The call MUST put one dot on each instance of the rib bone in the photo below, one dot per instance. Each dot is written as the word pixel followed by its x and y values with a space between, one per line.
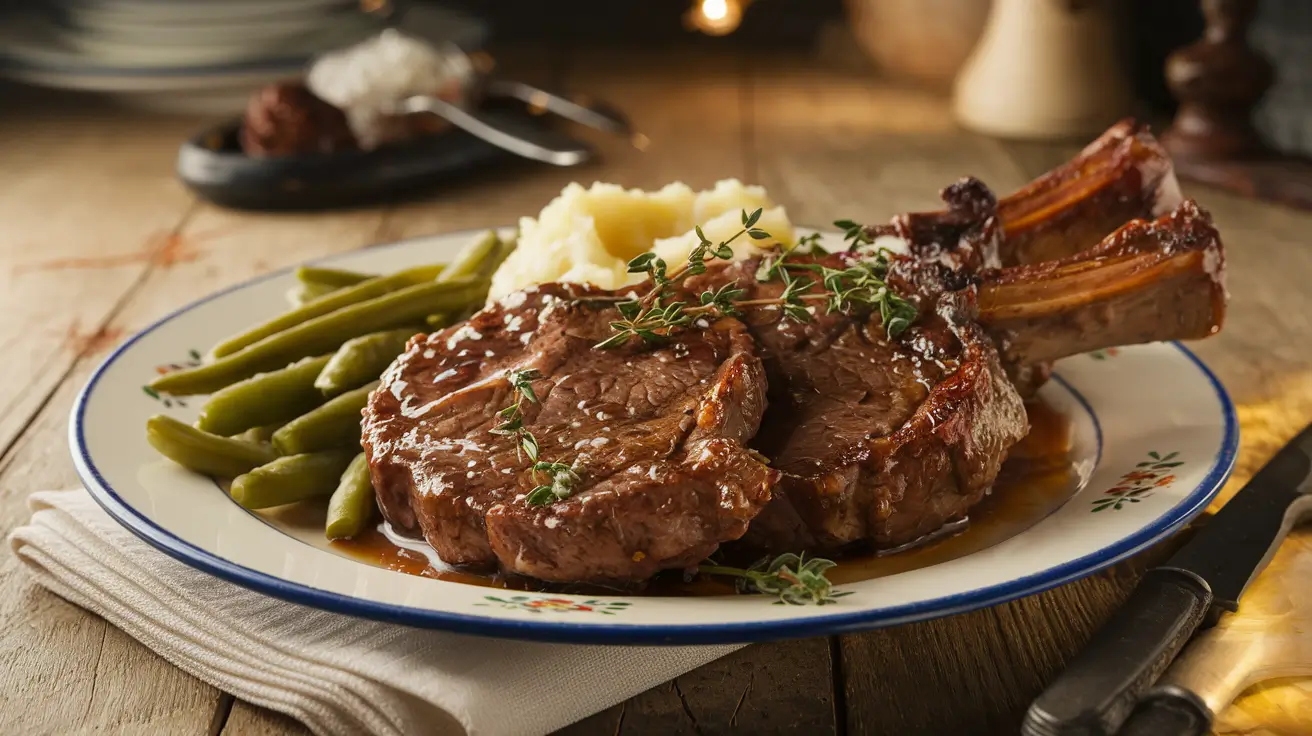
pixel 1149 281
pixel 1123 175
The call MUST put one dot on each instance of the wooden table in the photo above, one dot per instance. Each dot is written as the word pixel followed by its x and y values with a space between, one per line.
pixel 97 239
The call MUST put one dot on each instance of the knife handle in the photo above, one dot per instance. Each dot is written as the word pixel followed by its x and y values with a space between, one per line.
pixel 1169 711
pixel 1101 685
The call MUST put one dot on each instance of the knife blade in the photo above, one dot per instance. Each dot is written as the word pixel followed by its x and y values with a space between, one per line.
pixel 1102 684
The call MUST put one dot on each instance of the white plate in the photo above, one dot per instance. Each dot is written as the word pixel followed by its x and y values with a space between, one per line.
pixel 1154 435
pixel 154 47
pixel 107 13
pixel 213 76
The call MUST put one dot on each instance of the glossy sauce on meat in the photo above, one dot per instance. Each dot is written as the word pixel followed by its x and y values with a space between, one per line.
pixel 1038 477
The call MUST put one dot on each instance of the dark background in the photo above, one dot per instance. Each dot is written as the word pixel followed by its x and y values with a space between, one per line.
pixel 1153 28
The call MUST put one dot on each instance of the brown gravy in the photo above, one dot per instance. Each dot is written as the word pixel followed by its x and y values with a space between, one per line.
pixel 1037 478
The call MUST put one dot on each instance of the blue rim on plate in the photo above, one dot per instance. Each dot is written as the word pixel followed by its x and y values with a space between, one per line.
pixel 558 631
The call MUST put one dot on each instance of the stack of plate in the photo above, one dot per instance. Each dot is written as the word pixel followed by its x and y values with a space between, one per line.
pixel 198 56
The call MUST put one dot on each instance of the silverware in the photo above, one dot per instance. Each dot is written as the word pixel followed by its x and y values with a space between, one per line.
pixel 513 135
pixel 1101 686
pixel 592 113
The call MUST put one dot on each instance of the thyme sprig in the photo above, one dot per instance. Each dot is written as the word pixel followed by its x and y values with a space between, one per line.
pixel 649 317
pixel 793 578
pixel 859 286
pixel 512 417
pixel 560 478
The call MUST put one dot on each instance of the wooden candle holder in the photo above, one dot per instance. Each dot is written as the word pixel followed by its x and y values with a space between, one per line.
pixel 1218 81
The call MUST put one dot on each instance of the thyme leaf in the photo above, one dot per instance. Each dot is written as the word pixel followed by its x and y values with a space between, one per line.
pixel 859 286
pixel 792 578
pixel 648 317
pixel 854 233
pixel 560 478
pixel 559 484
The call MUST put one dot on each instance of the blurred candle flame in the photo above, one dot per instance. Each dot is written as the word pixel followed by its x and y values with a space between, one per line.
pixel 715 17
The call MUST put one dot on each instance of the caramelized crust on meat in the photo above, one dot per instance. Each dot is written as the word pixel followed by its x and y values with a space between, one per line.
pixel 657 435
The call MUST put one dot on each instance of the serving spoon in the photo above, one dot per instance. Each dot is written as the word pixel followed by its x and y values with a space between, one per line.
pixel 538 144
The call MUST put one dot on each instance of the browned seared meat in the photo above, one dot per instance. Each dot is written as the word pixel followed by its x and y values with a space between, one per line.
pixel 964 238
pixel 878 440
pixel 882 441
pixel 657 436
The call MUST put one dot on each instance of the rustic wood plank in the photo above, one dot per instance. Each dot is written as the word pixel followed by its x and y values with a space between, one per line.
pixel 77 238
pixel 55 653
pixel 831 145
pixel 75 229
pixel 1036 158
pixel 765 688
pixel 61 669
pixel 247 719
pixel 988 664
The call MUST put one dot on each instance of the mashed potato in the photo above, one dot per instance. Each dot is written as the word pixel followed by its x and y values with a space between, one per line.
pixel 590 235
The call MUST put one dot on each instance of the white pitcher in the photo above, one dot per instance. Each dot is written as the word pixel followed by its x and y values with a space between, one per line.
pixel 1044 69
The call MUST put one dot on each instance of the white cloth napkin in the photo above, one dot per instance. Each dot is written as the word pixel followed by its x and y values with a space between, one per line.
pixel 335 673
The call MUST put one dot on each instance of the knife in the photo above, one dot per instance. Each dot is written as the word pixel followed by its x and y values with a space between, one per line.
pixel 1102 684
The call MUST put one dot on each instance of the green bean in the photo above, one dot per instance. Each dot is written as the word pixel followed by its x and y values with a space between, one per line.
pixel 259 435
pixel 334 277
pixel 303 294
pixel 352 505
pixel 351 295
pixel 292 478
pixel 267 398
pixel 470 260
pixel 322 334
pixel 362 359
pixel 335 424
pixel 503 251
pixel 204 452
pixel 493 261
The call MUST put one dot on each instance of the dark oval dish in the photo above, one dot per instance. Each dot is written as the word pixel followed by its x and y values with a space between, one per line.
pixel 213 166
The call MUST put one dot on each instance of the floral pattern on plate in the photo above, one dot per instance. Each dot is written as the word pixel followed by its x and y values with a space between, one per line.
pixel 538 604
pixel 1140 483
pixel 193 360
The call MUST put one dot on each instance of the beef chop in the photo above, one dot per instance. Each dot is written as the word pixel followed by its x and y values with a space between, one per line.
pixel 1122 176
pixel 884 441
pixel 878 439
pixel 872 440
pixel 657 435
